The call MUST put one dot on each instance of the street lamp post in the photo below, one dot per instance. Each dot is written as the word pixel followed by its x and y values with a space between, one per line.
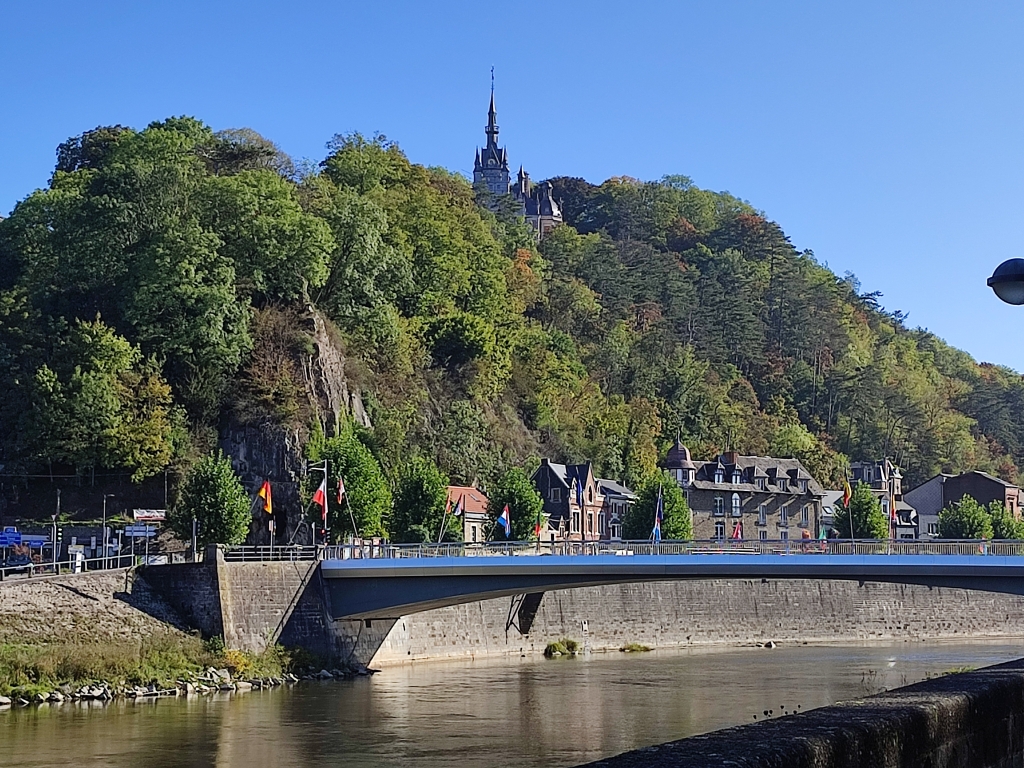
pixel 105 497
pixel 1008 281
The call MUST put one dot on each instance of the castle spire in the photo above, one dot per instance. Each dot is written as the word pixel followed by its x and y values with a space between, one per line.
pixel 492 119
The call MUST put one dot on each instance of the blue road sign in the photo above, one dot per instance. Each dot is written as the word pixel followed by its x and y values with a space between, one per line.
pixel 10 538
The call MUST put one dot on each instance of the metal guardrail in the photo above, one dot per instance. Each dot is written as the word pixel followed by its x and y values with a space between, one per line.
pixel 240 554
pixel 64 567
pixel 737 547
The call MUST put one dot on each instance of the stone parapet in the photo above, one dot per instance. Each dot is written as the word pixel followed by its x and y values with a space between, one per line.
pixel 974 719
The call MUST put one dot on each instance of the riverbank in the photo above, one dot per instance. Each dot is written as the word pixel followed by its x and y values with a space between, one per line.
pixel 107 635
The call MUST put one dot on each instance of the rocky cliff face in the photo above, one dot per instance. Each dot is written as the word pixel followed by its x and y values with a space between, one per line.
pixel 266 449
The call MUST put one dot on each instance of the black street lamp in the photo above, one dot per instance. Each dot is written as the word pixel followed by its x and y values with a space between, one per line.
pixel 1008 281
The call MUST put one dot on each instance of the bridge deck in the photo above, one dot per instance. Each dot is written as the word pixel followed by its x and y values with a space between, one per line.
pixel 390 587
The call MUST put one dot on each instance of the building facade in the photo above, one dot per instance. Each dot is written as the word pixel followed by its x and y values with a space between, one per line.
pixel 937 493
pixel 492 179
pixel 476 525
pixel 886 483
pixel 748 497
pixel 572 501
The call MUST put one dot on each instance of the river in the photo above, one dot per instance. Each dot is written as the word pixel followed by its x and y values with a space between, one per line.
pixel 503 712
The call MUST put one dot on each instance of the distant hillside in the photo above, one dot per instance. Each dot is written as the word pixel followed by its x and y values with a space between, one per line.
pixel 156 288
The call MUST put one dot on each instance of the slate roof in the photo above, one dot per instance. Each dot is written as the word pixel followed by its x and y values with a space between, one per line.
pixel 752 467
pixel 612 488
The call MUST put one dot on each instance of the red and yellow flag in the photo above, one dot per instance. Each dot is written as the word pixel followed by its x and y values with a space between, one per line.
pixel 847 493
pixel 264 493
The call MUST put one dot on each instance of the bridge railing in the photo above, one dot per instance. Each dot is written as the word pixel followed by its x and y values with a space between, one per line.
pixel 805 547
pixel 243 554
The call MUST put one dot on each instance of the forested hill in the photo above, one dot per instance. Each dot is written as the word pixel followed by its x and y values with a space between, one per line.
pixel 158 287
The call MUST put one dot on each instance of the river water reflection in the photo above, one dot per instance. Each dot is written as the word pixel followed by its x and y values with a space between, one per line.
pixel 521 712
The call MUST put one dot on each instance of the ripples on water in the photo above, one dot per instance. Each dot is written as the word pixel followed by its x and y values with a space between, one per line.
pixel 503 712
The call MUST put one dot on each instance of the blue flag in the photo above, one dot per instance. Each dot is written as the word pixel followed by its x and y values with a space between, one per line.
pixel 659 515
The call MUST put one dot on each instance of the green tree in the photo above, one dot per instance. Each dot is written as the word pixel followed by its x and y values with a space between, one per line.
pixel 367 495
pixel 965 519
pixel 525 507
pixel 101 404
pixel 419 505
pixel 1004 524
pixel 213 496
pixel 866 512
pixel 677 521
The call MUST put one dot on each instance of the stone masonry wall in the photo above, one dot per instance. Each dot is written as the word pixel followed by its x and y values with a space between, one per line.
pixel 970 720
pixel 719 612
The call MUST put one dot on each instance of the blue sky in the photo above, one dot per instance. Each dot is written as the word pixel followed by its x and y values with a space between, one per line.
pixel 884 136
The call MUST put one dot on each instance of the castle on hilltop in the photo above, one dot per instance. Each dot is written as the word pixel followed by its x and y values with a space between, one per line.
pixel 491 179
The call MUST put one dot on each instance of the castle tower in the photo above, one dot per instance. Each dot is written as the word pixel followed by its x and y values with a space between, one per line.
pixel 490 168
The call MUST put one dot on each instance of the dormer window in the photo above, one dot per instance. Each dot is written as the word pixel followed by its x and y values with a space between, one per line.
pixel 719 476
pixel 760 483
pixel 783 484
pixel 737 478
pixel 803 485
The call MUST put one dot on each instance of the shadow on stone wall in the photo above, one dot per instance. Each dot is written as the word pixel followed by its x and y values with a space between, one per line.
pixel 255 605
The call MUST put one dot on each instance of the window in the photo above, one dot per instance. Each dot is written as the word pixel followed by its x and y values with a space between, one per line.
pixel 735 505
pixel 933 529
pixel 556 494
pixel 590 495
pixel 805 515
pixel 719 530
pixel 590 522
pixel 719 476
pixel 803 486
pixel 762 535
pixel 473 532
pixel 719 506
pixel 867 474
pixel 785 516
pixel 760 483
pixel 575 522
pixel 784 534
pixel 783 484
pixel 737 478
pixel 762 514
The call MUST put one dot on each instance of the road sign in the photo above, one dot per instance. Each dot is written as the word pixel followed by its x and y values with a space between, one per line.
pixel 140 531
pixel 10 538
pixel 150 515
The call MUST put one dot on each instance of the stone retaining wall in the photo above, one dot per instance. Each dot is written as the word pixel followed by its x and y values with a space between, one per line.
pixel 252 604
pixel 716 612
pixel 974 719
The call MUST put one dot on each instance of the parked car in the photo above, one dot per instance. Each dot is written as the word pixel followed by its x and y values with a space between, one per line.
pixel 17 563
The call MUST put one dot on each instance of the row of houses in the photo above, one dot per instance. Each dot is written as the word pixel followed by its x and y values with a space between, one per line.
pixel 752 497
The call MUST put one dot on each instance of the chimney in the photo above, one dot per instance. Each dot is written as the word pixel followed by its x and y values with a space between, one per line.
pixel 730 457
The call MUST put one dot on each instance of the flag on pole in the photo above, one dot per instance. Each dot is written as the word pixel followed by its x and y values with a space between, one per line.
pixel 505 519
pixel 460 506
pixel 264 493
pixel 659 515
pixel 737 531
pixel 847 493
pixel 320 497
pixel 341 489
pixel 579 495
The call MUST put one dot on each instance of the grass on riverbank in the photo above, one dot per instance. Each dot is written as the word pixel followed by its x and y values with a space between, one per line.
pixel 160 659
pixel 635 648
